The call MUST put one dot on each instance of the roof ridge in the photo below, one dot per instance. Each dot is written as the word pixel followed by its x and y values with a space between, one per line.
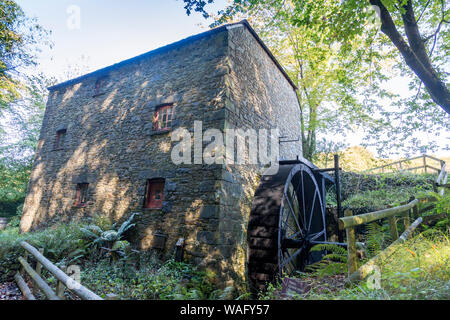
pixel 105 70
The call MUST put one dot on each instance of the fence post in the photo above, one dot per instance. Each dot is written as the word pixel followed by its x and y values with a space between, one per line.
pixel 25 257
pixel 60 286
pixel 338 191
pixel 393 227
pixel 415 211
pixel 406 219
pixel 351 246
pixel 425 162
pixel 38 264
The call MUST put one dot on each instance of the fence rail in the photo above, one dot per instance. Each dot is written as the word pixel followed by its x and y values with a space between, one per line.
pixel 404 211
pixel 63 279
pixel 399 165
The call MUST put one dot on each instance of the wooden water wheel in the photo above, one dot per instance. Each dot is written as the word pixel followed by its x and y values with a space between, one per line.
pixel 286 220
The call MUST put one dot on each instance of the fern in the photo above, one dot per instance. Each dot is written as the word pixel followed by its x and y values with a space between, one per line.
pixel 333 262
pixel 376 238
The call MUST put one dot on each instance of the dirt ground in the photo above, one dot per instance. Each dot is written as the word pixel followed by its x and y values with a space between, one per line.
pixel 9 291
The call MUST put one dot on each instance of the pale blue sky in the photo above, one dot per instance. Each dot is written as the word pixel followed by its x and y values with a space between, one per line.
pixel 114 30
pixel 110 30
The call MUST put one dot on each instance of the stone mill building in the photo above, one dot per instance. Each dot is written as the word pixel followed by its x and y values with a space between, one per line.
pixel 105 145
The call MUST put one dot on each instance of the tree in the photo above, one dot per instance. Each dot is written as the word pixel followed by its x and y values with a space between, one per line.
pixel 20 41
pixel 22 120
pixel 342 20
pixel 334 81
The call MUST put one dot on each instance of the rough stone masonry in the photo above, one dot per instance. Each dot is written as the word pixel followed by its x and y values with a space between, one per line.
pixel 226 78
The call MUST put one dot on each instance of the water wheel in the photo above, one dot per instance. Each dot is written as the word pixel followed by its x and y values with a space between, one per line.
pixel 286 220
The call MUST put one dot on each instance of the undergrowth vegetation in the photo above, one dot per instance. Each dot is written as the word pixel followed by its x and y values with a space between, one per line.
pixel 418 269
pixel 108 263
pixel 366 192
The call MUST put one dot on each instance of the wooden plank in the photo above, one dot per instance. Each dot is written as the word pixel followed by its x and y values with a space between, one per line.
pixel 75 287
pixel 433 158
pixel 368 267
pixel 357 220
pixel 434 168
pixel 38 280
pixel 414 168
pixel 23 287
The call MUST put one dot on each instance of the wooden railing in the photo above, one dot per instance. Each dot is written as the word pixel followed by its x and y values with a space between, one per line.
pixel 405 212
pixel 441 181
pixel 400 165
pixel 63 279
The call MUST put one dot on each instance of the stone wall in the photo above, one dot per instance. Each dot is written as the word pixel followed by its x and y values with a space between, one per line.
pixel 223 78
pixel 258 95
pixel 110 143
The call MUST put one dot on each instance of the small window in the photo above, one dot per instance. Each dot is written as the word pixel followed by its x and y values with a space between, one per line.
pixel 154 194
pixel 162 120
pixel 100 85
pixel 60 139
pixel 82 189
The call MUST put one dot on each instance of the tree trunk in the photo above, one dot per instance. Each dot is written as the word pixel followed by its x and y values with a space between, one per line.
pixel 414 54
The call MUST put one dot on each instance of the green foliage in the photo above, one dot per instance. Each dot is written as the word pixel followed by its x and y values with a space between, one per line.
pixel 334 81
pixel 23 120
pixel 332 263
pixel 370 192
pixel 272 292
pixel 62 244
pixel 356 30
pixel 152 280
pixel 377 238
pixel 109 240
pixel 135 276
pixel 20 39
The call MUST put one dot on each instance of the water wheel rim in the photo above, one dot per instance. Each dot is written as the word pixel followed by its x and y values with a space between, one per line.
pixel 304 225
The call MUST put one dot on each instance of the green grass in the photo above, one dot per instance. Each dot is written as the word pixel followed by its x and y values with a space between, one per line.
pixel 418 270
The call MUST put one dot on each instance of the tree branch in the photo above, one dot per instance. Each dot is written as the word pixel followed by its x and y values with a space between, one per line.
pixel 423 69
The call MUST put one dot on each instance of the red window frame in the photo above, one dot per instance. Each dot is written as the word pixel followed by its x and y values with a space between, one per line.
pixel 81 198
pixel 60 138
pixel 154 196
pixel 163 117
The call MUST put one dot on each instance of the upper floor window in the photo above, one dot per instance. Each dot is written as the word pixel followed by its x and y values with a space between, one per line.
pixel 163 117
pixel 154 193
pixel 100 85
pixel 81 199
pixel 60 139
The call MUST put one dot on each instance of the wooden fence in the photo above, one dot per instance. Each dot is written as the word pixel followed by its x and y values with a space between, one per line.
pixel 64 281
pixel 404 212
pixel 402 165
